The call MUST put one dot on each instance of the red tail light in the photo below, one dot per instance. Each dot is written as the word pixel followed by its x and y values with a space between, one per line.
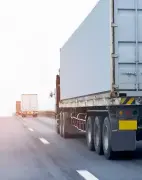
pixel 128 113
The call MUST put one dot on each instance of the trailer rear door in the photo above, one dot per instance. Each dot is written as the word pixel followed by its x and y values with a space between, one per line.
pixel 128 45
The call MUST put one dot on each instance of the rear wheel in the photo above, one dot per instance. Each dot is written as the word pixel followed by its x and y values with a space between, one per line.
pixel 57 124
pixel 57 129
pixel 68 130
pixel 90 133
pixel 61 124
pixel 98 126
pixel 66 125
pixel 109 154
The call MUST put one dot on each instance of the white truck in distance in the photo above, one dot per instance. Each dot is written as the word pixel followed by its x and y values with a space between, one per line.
pixel 29 105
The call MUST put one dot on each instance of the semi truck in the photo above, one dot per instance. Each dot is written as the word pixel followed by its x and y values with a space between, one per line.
pixel 99 86
pixel 18 108
pixel 29 105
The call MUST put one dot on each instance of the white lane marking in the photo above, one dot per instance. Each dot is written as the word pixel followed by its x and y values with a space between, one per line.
pixel 30 129
pixel 44 141
pixel 87 175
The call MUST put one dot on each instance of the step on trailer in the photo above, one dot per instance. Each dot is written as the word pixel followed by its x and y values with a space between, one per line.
pixel 99 87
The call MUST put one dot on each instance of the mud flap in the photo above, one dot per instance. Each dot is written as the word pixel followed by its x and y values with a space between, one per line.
pixel 123 140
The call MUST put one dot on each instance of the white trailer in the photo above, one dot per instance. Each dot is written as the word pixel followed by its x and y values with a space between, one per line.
pixel 99 89
pixel 29 105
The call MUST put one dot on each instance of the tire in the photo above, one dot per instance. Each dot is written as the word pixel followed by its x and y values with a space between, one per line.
pixel 98 129
pixel 90 133
pixel 64 126
pixel 57 119
pixel 58 127
pixel 61 124
pixel 109 154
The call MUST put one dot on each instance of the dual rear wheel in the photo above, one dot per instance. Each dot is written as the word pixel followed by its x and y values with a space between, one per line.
pixel 65 128
pixel 98 135
pixel 62 125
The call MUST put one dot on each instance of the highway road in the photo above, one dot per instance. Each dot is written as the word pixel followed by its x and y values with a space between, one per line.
pixel 30 149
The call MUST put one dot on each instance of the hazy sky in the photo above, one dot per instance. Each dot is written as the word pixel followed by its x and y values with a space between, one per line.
pixel 31 33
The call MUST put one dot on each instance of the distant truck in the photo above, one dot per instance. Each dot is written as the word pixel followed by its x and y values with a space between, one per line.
pixel 99 87
pixel 29 105
pixel 18 108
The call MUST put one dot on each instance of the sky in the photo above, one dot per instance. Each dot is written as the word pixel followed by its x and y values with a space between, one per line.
pixel 31 35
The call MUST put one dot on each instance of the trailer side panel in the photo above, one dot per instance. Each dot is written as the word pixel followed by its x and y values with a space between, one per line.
pixel 85 58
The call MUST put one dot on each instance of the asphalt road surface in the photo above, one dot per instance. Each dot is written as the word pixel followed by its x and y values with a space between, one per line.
pixel 30 149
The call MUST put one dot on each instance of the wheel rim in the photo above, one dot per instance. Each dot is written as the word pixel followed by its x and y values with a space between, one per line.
pixel 106 139
pixel 97 139
pixel 63 127
pixel 60 128
pixel 89 136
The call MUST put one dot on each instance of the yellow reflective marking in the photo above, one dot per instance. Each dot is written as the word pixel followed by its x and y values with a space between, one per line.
pixel 130 101
pixel 122 100
pixel 127 124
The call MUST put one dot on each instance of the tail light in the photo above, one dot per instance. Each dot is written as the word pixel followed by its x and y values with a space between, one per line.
pixel 128 113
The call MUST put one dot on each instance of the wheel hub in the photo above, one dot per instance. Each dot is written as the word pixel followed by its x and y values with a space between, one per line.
pixel 106 140
pixel 97 139
pixel 89 136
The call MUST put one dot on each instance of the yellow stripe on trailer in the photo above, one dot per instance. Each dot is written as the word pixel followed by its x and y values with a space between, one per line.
pixel 130 101
pixel 127 124
pixel 122 100
pixel 127 101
